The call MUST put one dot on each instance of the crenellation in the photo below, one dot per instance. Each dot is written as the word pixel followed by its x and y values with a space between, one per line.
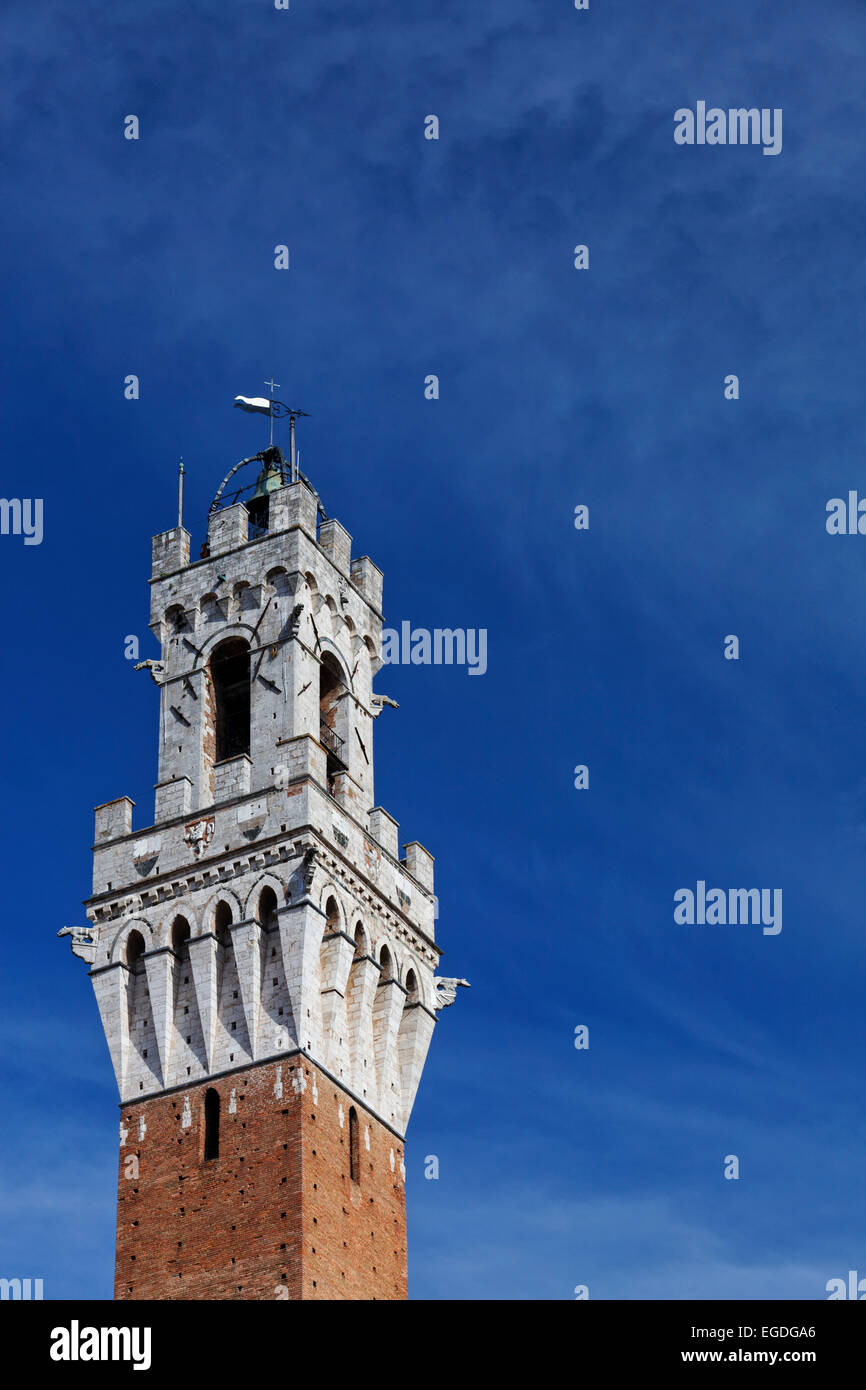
pixel 232 778
pixel 170 551
pixel 113 819
pixel 385 829
pixel 368 579
pixel 419 863
pixel 173 798
pixel 294 505
pixel 228 528
pixel 337 545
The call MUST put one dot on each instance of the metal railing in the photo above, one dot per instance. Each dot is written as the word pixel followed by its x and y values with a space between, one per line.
pixel 330 740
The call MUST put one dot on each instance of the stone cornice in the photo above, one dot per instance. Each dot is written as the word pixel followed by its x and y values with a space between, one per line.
pixel 275 1057
pixel 277 849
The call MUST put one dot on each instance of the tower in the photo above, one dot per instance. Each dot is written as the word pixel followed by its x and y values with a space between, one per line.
pixel 263 959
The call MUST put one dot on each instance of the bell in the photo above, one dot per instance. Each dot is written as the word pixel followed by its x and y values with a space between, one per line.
pixel 268 480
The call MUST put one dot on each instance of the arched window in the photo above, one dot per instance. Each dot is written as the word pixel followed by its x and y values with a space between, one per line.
pixel 327 958
pixel 354 1149
pixel 332 688
pixel 242 595
pixel 180 934
pixel 211 1124
pixel 382 1004
pixel 222 917
pixel 221 922
pixel 134 954
pixel 268 907
pixel 407 1040
pixel 176 620
pixel 230 677
pixel 354 1011
pixel 278 581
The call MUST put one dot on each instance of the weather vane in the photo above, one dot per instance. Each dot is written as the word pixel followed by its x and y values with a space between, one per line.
pixel 275 410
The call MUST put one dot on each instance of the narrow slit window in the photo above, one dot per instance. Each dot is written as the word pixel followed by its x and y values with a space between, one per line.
pixel 211 1124
pixel 354 1153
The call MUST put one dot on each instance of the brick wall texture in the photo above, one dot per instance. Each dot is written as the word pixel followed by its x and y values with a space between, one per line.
pixel 277 1215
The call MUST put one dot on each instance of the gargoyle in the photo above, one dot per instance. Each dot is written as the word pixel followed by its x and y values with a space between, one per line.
pixel 379 702
pixel 153 667
pixel 83 944
pixel 445 991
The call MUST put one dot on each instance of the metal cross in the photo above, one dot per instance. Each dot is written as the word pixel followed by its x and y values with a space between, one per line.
pixel 273 385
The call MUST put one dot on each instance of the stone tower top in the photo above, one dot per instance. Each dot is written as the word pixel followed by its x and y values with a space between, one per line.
pixel 268 872
pixel 275 578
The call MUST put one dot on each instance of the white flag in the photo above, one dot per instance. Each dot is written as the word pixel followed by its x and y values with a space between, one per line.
pixel 256 405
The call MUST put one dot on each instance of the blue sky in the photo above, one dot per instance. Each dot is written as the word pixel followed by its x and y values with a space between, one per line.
pixel 558 387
